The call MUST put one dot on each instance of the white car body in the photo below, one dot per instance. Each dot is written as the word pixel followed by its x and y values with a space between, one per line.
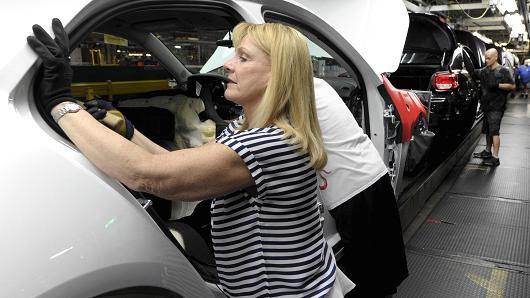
pixel 68 230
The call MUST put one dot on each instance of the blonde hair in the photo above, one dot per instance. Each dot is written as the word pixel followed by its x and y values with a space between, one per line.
pixel 289 99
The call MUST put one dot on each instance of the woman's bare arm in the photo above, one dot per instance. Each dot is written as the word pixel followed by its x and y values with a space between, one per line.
pixel 190 174
pixel 139 139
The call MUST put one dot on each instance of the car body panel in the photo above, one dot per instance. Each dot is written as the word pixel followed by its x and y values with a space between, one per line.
pixel 71 230
pixel 409 108
pixel 16 26
pixel 66 214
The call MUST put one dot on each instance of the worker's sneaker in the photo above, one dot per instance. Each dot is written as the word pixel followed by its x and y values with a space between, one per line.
pixel 482 154
pixel 492 162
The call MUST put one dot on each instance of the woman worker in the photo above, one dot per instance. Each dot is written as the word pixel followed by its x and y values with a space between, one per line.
pixel 267 237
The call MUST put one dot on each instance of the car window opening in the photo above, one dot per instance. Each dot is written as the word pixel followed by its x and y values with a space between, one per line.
pixel 329 66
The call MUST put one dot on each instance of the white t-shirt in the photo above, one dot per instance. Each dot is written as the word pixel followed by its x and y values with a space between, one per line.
pixel 353 162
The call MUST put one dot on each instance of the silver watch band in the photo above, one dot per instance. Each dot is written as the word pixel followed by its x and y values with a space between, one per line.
pixel 67 107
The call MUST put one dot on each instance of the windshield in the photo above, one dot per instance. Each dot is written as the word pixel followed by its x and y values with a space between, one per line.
pixel 192 49
pixel 420 57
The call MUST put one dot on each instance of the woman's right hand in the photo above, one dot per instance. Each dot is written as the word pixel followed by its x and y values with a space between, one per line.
pixel 105 113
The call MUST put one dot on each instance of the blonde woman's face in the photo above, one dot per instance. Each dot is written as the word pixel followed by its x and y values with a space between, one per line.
pixel 249 72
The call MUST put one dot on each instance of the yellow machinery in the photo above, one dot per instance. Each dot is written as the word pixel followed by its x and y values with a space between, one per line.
pixel 109 88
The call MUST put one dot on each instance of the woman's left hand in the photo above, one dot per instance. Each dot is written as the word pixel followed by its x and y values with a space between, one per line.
pixel 57 79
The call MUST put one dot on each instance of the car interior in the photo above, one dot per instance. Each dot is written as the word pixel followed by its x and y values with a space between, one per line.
pixel 150 64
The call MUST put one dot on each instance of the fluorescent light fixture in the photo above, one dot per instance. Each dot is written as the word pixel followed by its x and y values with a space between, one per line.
pixel 177 47
pixel 513 19
pixel 515 22
pixel 505 6
pixel 482 37
pixel 510 5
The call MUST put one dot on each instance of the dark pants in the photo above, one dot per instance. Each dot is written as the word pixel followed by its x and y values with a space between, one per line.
pixel 492 122
pixel 370 228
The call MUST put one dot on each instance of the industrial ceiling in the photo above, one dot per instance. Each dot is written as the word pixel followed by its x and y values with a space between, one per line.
pixel 504 22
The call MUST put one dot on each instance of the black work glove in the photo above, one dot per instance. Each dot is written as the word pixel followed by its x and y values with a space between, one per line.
pixel 55 86
pixel 105 113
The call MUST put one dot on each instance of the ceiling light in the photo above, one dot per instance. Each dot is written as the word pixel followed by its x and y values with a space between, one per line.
pixel 504 6
pixel 482 37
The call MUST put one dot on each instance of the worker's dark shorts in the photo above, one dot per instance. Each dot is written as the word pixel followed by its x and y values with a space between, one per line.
pixel 492 122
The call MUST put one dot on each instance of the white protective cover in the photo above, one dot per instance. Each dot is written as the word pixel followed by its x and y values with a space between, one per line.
pixel 377 29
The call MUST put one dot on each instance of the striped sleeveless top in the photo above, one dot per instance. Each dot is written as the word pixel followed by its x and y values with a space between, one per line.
pixel 269 242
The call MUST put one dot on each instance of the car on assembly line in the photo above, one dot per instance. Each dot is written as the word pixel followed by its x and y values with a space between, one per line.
pixel 434 61
pixel 68 230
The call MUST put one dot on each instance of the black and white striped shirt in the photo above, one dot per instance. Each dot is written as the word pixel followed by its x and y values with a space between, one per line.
pixel 270 243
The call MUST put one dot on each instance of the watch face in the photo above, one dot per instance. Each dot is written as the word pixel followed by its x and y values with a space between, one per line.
pixel 72 107
pixel 68 107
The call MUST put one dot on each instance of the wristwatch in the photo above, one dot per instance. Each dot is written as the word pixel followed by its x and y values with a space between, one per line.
pixel 68 107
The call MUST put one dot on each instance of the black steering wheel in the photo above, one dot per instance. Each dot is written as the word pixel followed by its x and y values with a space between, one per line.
pixel 210 88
